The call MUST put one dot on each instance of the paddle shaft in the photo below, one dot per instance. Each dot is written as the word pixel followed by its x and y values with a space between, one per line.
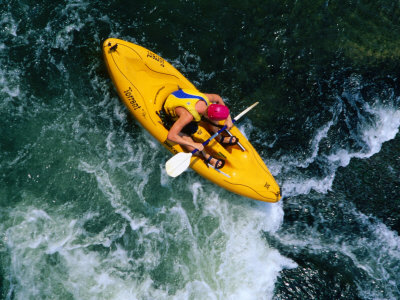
pixel 205 143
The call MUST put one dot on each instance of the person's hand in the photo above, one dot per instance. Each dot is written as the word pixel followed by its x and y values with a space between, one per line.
pixel 215 98
pixel 229 123
pixel 198 146
pixel 218 99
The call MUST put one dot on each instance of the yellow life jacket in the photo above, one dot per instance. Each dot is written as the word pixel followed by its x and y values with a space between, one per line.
pixel 186 99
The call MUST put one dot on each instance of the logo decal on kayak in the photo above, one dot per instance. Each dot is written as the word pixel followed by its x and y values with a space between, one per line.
pixel 156 57
pixel 132 101
pixel 267 185
pixel 168 144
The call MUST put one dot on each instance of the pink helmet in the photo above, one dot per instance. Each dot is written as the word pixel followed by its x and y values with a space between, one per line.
pixel 217 112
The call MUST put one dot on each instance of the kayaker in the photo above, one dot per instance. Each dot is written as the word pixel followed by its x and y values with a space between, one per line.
pixel 186 108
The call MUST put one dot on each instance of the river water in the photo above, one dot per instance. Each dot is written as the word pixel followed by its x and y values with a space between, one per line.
pixel 87 210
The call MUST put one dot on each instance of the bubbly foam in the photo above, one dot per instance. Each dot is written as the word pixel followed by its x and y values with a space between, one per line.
pixel 232 261
pixel 60 245
pixel 374 251
pixel 384 128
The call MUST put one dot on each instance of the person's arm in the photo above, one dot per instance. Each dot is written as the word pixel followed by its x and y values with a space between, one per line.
pixel 214 98
pixel 174 133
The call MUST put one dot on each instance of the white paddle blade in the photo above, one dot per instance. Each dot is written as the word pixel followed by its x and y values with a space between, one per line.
pixel 178 163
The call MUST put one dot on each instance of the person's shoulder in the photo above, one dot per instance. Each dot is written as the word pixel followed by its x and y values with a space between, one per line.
pixel 189 90
pixel 192 92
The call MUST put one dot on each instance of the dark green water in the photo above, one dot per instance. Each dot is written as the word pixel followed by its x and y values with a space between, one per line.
pixel 87 210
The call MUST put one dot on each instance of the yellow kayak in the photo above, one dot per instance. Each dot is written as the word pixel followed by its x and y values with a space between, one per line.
pixel 144 80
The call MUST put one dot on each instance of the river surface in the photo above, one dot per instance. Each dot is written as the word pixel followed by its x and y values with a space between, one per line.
pixel 87 210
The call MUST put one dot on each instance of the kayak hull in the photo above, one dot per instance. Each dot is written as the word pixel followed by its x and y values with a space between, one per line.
pixel 144 80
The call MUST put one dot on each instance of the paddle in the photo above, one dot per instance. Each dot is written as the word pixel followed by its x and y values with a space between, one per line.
pixel 178 163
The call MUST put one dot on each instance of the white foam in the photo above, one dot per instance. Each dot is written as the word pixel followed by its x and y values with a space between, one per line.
pixel 384 129
pixel 9 86
pixel 234 262
pixel 113 194
pixel 63 37
pixel 8 25
pixel 36 237
pixel 374 251
pixel 303 186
